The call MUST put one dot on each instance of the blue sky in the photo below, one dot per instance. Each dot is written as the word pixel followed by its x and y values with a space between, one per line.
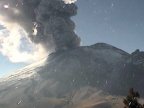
pixel 6 66
pixel 116 22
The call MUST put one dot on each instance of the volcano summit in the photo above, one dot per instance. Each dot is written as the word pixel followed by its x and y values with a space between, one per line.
pixel 70 78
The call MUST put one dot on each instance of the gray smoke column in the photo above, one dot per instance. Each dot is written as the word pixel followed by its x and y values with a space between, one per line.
pixel 47 22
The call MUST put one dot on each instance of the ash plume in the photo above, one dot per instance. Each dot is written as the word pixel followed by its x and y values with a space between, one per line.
pixel 47 22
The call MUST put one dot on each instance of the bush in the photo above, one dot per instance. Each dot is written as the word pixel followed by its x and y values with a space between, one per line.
pixel 131 101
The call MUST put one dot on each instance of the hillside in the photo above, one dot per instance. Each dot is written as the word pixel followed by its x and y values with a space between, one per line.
pixel 96 76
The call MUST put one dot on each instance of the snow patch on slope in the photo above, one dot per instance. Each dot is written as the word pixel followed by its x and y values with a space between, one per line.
pixel 25 72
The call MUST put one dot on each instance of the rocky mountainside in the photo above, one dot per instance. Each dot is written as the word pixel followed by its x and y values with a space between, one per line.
pixel 86 77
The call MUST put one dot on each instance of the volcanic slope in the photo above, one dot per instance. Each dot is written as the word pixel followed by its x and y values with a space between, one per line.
pixel 86 77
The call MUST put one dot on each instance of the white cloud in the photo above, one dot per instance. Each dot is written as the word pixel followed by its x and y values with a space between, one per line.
pixel 69 1
pixel 15 45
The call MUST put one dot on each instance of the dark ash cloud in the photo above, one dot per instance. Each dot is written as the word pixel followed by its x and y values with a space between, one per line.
pixel 47 22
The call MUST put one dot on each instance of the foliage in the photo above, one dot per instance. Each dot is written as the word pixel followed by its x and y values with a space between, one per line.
pixel 131 101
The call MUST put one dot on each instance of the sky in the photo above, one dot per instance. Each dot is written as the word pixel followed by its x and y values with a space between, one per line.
pixel 116 22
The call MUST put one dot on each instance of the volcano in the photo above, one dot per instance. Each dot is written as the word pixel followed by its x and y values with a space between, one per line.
pixel 96 76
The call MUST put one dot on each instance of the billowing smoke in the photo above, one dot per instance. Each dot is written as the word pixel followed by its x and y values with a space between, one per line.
pixel 15 44
pixel 47 22
pixel 69 1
